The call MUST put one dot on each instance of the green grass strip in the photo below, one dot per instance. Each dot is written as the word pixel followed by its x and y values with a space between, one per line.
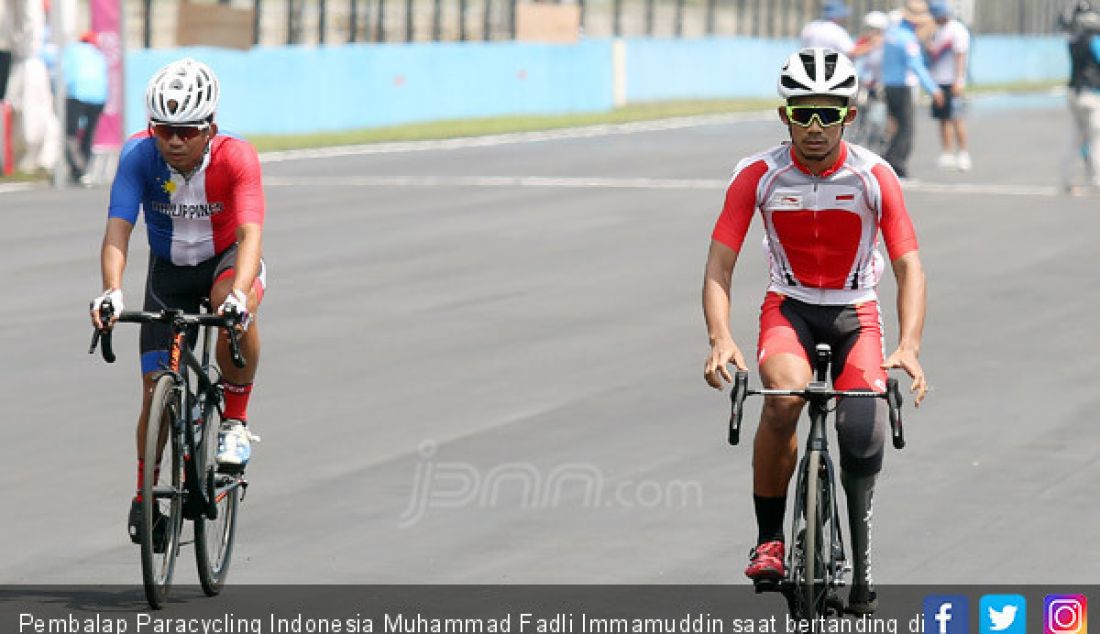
pixel 500 125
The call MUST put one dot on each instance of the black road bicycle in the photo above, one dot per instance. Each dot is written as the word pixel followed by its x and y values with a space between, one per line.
pixel 185 416
pixel 817 563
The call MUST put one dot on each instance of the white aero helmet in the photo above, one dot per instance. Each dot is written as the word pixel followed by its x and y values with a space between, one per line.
pixel 876 20
pixel 184 91
pixel 818 71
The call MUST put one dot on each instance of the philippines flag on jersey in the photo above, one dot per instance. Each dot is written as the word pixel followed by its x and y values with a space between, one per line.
pixel 189 219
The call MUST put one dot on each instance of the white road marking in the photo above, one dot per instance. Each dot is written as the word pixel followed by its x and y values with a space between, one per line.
pixel 557 182
pixel 981 188
pixel 7 188
pixel 579 182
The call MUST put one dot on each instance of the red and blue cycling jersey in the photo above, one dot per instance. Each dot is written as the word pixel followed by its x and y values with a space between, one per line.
pixel 190 218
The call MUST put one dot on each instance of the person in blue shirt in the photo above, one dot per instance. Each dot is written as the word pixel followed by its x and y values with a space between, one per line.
pixel 85 71
pixel 901 59
pixel 1084 97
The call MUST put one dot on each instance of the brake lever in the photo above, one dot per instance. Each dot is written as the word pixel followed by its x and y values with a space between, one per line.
pixel 894 402
pixel 737 401
pixel 231 322
pixel 106 311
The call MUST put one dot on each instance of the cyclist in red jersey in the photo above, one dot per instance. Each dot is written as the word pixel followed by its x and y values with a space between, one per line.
pixel 203 199
pixel 823 203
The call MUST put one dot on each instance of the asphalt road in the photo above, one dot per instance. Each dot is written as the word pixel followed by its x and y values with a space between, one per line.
pixel 484 364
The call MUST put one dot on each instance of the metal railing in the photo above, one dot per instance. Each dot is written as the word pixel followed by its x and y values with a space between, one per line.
pixel 332 22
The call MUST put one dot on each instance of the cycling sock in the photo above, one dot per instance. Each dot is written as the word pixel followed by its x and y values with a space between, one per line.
pixel 769 518
pixel 859 492
pixel 236 400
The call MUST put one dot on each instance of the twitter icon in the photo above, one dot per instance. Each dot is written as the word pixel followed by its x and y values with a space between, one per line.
pixel 1002 614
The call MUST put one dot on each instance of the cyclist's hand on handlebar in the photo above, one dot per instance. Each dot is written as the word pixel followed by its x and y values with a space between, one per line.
pixel 906 359
pixel 722 353
pixel 237 302
pixel 114 296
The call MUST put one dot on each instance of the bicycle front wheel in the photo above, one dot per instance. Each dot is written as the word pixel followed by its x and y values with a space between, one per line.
pixel 161 493
pixel 812 587
pixel 214 537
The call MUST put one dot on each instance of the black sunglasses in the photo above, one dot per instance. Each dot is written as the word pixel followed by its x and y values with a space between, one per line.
pixel 185 132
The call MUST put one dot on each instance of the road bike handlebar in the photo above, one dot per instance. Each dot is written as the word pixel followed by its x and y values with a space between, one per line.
pixel 815 391
pixel 175 318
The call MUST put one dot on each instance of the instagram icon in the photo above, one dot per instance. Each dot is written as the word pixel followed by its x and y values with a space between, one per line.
pixel 1065 614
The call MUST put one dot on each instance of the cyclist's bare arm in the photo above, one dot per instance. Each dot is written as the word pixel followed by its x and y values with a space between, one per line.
pixel 912 300
pixel 716 310
pixel 112 257
pixel 249 250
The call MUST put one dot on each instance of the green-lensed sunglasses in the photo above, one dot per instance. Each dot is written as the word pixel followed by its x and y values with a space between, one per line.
pixel 827 116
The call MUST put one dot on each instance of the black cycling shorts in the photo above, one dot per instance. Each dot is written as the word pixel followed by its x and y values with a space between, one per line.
pixel 169 285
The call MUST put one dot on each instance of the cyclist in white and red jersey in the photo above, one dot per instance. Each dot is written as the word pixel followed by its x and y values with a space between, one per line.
pixel 204 212
pixel 823 204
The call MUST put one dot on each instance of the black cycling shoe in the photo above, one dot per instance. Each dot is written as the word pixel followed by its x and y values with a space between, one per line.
pixel 862 600
pixel 160 526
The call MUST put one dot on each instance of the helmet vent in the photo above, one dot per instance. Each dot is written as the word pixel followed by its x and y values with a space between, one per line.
pixel 809 64
pixel 792 84
pixel 830 65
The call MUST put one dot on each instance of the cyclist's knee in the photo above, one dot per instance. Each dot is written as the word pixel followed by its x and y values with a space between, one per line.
pixel 780 414
pixel 861 434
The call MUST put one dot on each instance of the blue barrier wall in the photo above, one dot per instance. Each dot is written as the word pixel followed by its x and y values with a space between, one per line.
pixel 288 90
pixel 1000 59
pixel 709 68
pixel 298 89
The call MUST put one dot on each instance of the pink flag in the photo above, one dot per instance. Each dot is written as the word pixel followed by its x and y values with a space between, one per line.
pixel 107 23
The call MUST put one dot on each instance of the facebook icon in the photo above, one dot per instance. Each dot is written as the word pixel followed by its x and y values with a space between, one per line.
pixel 946 614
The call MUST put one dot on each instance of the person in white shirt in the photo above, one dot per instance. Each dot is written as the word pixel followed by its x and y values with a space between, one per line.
pixel 829 31
pixel 948 51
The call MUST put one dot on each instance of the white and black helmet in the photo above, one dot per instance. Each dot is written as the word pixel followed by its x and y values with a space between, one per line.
pixel 184 91
pixel 818 71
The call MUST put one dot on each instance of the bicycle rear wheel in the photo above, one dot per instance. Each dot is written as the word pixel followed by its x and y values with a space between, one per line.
pixel 811 584
pixel 214 537
pixel 161 503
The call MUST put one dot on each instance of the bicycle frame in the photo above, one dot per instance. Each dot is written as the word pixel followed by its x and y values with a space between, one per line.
pixel 196 502
pixel 816 508
pixel 182 363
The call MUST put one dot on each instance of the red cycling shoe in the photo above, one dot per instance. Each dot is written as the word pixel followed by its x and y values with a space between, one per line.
pixel 766 562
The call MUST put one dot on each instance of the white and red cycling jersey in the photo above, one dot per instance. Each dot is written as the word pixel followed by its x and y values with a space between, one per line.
pixel 821 232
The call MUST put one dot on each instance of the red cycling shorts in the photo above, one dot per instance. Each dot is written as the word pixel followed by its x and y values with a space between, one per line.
pixel 788 326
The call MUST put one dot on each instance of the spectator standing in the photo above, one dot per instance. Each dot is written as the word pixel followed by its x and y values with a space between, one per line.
pixel 830 31
pixel 86 87
pixel 948 51
pixel 901 55
pixel 1084 97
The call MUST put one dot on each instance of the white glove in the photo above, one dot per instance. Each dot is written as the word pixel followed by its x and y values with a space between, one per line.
pixel 115 297
pixel 237 302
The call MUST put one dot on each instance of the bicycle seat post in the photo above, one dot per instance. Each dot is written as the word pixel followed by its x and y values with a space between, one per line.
pixel 823 356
